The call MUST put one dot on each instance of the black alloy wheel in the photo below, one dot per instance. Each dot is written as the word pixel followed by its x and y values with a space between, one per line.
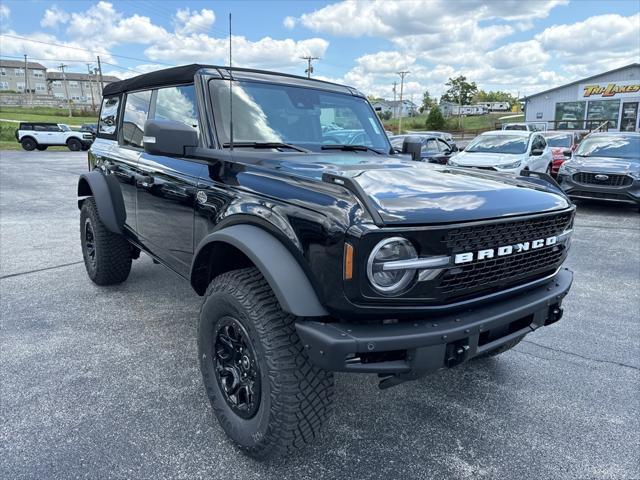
pixel 237 370
pixel 74 145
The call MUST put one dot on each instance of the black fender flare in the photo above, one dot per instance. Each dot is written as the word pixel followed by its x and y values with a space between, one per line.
pixel 282 271
pixel 105 190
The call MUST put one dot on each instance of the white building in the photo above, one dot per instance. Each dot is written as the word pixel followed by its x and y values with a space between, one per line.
pixel 406 108
pixel 84 89
pixel 13 78
pixel 610 97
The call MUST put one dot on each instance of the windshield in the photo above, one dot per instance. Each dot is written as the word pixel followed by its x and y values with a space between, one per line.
pixel 498 144
pixel 304 117
pixel 558 140
pixel 611 146
pixel 64 128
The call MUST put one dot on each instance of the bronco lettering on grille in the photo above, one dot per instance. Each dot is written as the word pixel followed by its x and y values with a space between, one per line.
pixel 504 250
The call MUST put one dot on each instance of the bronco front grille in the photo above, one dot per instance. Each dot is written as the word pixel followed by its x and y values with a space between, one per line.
pixel 477 237
pixel 484 276
pixel 502 271
pixel 611 180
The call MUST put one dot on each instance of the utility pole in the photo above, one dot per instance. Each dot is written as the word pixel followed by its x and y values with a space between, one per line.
pixel 402 74
pixel 66 88
pixel 395 109
pixel 26 78
pixel 100 74
pixel 309 69
pixel 93 103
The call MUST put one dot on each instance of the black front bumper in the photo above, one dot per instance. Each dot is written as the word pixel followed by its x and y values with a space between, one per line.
pixel 427 345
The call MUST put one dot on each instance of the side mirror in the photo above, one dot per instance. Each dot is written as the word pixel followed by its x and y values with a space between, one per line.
pixel 168 137
pixel 413 146
pixel 536 152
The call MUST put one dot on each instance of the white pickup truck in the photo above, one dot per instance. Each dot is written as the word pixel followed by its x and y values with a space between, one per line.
pixel 38 135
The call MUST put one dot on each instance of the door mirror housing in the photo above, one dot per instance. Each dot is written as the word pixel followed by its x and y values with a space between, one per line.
pixel 413 146
pixel 536 152
pixel 168 137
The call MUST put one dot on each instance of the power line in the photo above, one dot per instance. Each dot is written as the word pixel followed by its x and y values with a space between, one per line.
pixel 94 52
pixel 72 61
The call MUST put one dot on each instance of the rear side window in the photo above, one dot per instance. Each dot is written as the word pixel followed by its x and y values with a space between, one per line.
pixel 136 110
pixel 108 116
pixel 178 104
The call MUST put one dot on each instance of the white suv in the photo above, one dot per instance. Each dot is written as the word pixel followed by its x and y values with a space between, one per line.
pixel 38 135
pixel 508 151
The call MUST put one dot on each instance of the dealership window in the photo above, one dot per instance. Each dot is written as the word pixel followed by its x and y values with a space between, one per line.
pixel 136 109
pixel 601 110
pixel 570 115
pixel 108 116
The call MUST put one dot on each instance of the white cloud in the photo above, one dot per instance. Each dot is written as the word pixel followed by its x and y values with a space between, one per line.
pixel 266 52
pixel 53 17
pixel 289 22
pixel 194 22
pixel 142 68
pixel 594 45
pixel 385 62
pixel 5 12
pixel 355 18
pixel 71 51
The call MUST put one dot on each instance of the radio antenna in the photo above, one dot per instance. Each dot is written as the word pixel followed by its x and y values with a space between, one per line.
pixel 230 90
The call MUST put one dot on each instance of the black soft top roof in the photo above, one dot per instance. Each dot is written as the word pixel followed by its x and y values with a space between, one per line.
pixel 185 74
pixel 167 76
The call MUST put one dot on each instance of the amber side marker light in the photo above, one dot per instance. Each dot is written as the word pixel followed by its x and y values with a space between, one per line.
pixel 348 261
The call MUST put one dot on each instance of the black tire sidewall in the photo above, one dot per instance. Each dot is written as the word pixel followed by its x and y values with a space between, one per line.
pixel 87 213
pixel 247 433
pixel 41 148
pixel 74 144
pixel 28 144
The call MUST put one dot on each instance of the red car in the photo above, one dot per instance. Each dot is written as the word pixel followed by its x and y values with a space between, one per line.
pixel 562 144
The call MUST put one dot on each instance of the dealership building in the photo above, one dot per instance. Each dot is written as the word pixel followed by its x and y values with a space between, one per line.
pixel 585 104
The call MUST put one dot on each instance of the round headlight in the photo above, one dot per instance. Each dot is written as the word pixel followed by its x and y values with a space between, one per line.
pixel 391 280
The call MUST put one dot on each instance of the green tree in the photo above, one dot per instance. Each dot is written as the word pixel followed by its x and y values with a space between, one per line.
pixel 427 102
pixel 435 120
pixel 498 96
pixel 460 90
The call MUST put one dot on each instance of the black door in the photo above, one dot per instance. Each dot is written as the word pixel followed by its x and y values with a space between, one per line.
pixel 166 195
pixel 122 164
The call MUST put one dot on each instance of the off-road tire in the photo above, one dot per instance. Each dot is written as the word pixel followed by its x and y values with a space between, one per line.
pixel 42 147
pixel 501 349
pixel 28 144
pixel 111 262
pixel 295 396
pixel 74 144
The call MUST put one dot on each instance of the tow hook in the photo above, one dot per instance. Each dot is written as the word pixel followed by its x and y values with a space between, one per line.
pixel 456 353
pixel 555 314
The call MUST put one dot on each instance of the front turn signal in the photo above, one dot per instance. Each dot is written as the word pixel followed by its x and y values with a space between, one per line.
pixel 348 261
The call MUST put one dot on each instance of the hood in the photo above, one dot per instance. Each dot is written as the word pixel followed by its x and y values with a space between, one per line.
pixel 480 159
pixel 405 192
pixel 604 165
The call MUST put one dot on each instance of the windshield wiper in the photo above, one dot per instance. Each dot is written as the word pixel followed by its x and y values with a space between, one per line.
pixel 266 145
pixel 350 148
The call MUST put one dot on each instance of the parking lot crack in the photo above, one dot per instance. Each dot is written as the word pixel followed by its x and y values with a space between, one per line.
pixel 10 275
pixel 566 352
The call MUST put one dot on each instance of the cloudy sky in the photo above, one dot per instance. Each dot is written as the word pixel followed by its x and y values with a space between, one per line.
pixel 517 46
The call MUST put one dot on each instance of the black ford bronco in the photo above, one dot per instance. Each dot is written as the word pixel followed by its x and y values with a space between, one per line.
pixel 315 247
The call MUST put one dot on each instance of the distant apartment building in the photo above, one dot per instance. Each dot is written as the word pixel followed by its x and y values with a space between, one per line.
pixel 83 88
pixel 13 78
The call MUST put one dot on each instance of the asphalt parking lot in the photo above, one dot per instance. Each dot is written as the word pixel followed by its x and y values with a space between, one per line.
pixel 104 382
